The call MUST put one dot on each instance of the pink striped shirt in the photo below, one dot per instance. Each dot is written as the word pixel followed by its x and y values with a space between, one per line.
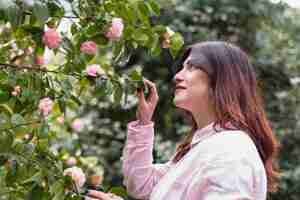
pixel 220 166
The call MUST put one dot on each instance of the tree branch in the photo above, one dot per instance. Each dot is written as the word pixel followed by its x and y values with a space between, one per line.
pixel 36 68
pixel 24 124
pixel 110 137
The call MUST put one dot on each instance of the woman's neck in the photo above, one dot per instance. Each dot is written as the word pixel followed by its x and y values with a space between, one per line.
pixel 203 120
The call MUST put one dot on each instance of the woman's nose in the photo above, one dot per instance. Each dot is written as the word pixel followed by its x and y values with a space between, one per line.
pixel 178 77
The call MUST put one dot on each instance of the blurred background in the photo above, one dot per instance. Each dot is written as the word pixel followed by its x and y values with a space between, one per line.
pixel 269 31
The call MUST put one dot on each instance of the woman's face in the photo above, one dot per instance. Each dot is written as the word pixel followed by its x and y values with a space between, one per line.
pixel 192 88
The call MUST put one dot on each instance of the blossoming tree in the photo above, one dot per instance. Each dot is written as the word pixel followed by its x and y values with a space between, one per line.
pixel 38 98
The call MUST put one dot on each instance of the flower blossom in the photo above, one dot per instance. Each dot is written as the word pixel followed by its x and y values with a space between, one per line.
pixel 39 60
pixel 92 70
pixel 17 91
pixel 45 106
pixel 76 125
pixel 77 176
pixel 51 38
pixel 116 29
pixel 71 161
pixel 61 119
pixel 166 43
pixel 88 47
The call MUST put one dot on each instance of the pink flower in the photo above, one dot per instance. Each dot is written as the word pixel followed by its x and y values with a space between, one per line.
pixel 39 60
pixel 89 47
pixel 51 38
pixel 115 31
pixel 45 106
pixel 77 176
pixel 61 119
pixel 76 125
pixel 27 136
pixel 17 91
pixel 167 38
pixel 71 161
pixel 91 70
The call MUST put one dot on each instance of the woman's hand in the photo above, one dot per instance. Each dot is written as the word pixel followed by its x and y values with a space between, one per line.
pixel 98 195
pixel 147 106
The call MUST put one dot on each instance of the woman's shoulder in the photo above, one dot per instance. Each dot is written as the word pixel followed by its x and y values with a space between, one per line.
pixel 229 145
pixel 234 137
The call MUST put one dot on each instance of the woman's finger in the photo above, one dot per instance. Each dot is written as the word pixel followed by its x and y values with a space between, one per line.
pixel 153 96
pixel 141 96
pixel 89 198
pixel 98 194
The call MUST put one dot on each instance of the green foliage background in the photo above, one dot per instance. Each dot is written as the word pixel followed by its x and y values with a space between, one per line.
pixel 268 33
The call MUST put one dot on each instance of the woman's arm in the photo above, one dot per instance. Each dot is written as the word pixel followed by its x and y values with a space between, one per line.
pixel 140 175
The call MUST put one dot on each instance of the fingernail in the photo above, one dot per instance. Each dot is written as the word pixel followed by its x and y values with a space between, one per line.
pixel 90 191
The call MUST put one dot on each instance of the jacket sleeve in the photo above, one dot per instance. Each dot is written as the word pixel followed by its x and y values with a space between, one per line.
pixel 140 175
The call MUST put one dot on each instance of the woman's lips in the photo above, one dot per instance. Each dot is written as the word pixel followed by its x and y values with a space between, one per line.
pixel 179 89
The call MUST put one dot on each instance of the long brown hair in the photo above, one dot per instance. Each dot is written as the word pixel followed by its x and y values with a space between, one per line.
pixel 236 98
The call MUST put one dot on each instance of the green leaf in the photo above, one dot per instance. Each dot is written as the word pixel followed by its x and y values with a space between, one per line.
pixel 43 131
pixel 62 105
pixel 27 93
pixel 154 7
pixel 11 177
pixel 37 193
pixel 120 191
pixel 104 87
pixel 4 96
pixel 155 46
pixel 143 13
pixel 109 87
pixel 118 93
pixel 43 145
pixel 160 29
pixel 141 37
pixel 14 15
pixel 3 76
pixel 74 29
pixel 118 51
pixel 131 16
pixel 17 119
pixel 6 109
pixel 76 100
pixel 56 8
pixel 176 44
pixel 4 121
pixel 57 187
pixel 6 141
pixel 68 45
pixel 144 9
pixel 40 10
pixel 37 177
pixel 136 76
pixel 91 31
pixel 28 149
pixel 100 87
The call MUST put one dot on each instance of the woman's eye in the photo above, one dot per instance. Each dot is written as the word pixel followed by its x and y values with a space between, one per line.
pixel 190 67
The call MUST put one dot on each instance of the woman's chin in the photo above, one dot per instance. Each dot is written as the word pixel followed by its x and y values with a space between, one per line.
pixel 178 103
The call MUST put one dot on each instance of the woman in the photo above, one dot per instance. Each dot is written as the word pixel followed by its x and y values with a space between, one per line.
pixel 230 151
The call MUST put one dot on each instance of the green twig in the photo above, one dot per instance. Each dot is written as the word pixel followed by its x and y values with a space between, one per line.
pixel 24 124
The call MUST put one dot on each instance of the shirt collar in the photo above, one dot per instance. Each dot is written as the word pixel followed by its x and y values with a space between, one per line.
pixel 207 131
